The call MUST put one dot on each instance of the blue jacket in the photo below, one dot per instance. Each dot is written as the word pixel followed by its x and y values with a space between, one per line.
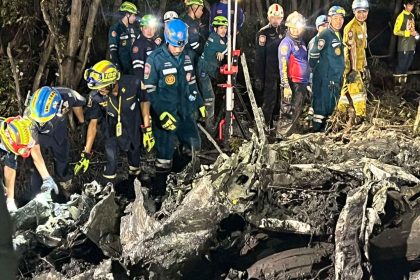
pixel 293 61
pixel 171 84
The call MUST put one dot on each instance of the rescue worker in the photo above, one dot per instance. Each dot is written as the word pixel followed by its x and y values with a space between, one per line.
pixel 8 260
pixel 118 105
pixel 266 61
pixel 326 59
pixel 121 37
pixel 171 84
pixel 208 66
pixel 168 16
pixel 321 23
pixel 143 45
pixel 192 18
pixel 356 73
pixel 16 140
pixel 405 29
pixel 221 9
pixel 294 74
pixel 48 110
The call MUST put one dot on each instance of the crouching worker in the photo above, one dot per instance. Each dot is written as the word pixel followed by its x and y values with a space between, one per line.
pixel 48 110
pixel 115 105
pixel 208 66
pixel 170 81
pixel 16 140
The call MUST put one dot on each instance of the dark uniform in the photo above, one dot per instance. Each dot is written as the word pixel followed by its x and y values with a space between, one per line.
pixel 109 110
pixel 142 47
pixel 54 135
pixel 172 88
pixel 120 41
pixel 196 37
pixel 7 254
pixel 208 68
pixel 267 67
pixel 326 59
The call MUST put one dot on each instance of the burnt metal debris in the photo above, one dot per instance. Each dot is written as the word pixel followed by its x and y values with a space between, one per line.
pixel 339 206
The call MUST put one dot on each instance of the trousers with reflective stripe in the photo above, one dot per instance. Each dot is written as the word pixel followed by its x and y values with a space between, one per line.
pixel 357 92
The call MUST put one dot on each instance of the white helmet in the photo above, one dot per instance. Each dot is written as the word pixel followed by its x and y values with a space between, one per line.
pixel 360 4
pixel 295 20
pixel 275 10
pixel 169 15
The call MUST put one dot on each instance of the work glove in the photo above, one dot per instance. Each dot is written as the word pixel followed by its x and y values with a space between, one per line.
pixel 47 186
pixel 258 85
pixel 351 77
pixel 168 121
pixel 83 163
pixel 148 139
pixel 287 94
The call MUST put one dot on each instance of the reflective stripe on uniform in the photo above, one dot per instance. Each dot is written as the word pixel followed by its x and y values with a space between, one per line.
pixel 110 176
pixel 124 37
pixel 188 68
pixel 318 118
pixel 169 71
pixel 133 170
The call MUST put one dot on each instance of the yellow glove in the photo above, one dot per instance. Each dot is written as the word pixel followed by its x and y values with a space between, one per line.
pixel 203 112
pixel 287 94
pixel 83 163
pixel 148 139
pixel 168 121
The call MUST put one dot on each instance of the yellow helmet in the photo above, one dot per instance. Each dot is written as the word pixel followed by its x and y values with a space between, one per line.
pixel 275 10
pixel 101 75
pixel 295 20
pixel 16 135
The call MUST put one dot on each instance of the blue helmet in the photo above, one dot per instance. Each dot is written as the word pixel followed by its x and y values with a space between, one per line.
pixel 176 33
pixel 320 20
pixel 336 10
pixel 45 104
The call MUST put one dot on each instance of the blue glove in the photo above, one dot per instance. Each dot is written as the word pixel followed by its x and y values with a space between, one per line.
pixel 49 185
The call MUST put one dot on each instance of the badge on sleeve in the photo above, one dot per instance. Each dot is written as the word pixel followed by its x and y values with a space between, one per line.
pixel 321 44
pixel 114 34
pixel 135 49
pixel 337 51
pixel 284 49
pixel 147 68
pixel 261 40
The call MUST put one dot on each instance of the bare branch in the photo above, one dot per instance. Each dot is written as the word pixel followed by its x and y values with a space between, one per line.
pixel 49 43
pixel 15 77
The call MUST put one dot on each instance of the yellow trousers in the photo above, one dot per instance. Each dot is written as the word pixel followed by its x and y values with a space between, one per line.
pixel 357 93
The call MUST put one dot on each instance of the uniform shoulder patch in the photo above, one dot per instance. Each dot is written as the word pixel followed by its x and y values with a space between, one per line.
pixel 284 49
pixel 350 34
pixel 114 33
pixel 261 40
pixel 321 44
pixel 135 49
pixel 147 69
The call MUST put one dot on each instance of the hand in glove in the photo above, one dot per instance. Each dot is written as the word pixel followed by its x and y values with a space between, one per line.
pixel 49 185
pixel 351 77
pixel 148 139
pixel 83 163
pixel 287 94
pixel 168 121
pixel 220 56
pixel 258 85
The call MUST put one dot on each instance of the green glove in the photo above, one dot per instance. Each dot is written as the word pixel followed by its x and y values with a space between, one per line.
pixel 202 110
pixel 83 163
pixel 168 121
pixel 148 139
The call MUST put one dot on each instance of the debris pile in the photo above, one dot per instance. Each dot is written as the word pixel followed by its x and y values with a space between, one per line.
pixel 311 207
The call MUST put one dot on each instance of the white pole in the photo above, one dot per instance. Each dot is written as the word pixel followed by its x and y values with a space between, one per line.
pixel 229 89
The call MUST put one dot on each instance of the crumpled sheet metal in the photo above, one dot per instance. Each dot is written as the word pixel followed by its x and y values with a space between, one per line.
pixel 290 264
pixel 31 215
pixel 358 219
pixel 103 225
pixel 182 236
